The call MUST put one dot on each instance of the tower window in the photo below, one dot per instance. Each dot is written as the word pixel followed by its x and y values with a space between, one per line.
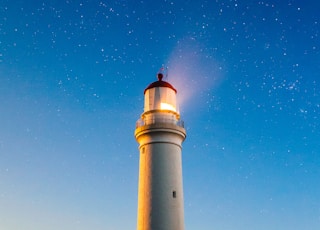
pixel 142 150
pixel 174 194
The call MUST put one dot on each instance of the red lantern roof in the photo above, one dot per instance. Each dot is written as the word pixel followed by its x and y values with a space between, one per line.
pixel 160 83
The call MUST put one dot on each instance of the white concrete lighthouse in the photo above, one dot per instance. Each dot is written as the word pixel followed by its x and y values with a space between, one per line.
pixel 160 134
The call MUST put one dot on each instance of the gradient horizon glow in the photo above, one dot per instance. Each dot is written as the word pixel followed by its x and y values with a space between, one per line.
pixel 72 76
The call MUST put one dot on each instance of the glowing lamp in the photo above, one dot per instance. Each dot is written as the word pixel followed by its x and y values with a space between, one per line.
pixel 166 106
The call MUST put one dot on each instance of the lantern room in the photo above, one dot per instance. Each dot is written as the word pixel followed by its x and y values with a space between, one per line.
pixel 160 96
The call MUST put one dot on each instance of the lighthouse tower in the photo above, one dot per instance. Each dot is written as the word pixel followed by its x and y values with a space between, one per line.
pixel 160 133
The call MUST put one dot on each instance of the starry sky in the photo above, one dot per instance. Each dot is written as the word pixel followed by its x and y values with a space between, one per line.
pixel 72 76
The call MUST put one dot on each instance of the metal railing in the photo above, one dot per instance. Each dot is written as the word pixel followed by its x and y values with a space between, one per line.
pixel 159 120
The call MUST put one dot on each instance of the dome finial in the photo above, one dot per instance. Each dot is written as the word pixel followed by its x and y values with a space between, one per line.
pixel 160 76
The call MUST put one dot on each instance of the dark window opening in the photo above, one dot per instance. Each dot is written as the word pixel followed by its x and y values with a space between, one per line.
pixel 174 194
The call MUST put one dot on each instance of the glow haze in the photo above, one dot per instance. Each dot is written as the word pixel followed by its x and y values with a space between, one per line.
pixel 193 72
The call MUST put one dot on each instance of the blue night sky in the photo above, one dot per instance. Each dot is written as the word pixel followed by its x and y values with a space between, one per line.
pixel 72 75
